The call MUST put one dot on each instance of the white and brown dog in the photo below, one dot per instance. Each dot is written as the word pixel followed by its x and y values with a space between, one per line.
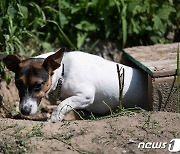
pixel 80 80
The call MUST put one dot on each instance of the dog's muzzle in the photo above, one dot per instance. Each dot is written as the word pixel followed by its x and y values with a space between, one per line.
pixel 26 110
pixel 29 106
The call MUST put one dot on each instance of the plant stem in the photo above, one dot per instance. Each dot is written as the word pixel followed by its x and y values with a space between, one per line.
pixel 63 34
pixel 121 84
pixel 178 80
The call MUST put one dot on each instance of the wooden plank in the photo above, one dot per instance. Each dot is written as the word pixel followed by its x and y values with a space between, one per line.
pixel 165 94
pixel 157 60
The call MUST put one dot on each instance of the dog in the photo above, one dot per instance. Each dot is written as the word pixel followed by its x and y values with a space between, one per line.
pixel 80 80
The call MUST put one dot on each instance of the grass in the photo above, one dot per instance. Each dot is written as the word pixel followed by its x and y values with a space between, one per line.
pixel 36 131
pixel 113 113
pixel 150 124
pixel 18 141
pixel 62 137
pixel 3 128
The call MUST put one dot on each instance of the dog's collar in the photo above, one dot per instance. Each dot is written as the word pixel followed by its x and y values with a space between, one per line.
pixel 54 95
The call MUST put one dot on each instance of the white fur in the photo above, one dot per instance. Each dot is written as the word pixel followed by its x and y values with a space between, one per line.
pixel 29 102
pixel 91 83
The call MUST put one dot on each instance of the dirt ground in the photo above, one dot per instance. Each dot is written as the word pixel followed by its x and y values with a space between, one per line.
pixel 120 134
pixel 113 135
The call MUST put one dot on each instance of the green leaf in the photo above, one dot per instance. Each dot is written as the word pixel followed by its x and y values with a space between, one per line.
pixel 75 9
pixel 1 23
pixel 178 10
pixel 86 26
pixel 23 11
pixel 6 37
pixel 61 32
pixel 156 37
pixel 148 28
pixel 63 20
pixel 124 28
pixel 124 24
pixel 52 10
pixel 164 13
pixel 171 2
pixel 3 6
pixel 11 10
pixel 42 17
pixel 38 21
pixel 136 27
pixel 64 4
pixel 46 46
pixel 158 25
pixel 80 39
pixel 133 3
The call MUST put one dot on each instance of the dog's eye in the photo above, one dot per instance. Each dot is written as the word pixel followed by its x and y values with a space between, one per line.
pixel 37 86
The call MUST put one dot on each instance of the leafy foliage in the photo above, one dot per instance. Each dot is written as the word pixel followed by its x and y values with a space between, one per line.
pixel 29 26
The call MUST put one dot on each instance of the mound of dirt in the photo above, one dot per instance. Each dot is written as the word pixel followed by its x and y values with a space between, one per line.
pixel 113 135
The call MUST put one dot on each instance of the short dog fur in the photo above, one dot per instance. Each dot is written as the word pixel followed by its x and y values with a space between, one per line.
pixel 87 82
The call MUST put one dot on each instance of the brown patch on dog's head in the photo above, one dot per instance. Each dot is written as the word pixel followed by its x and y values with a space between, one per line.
pixel 11 61
pixel 40 86
pixel 52 62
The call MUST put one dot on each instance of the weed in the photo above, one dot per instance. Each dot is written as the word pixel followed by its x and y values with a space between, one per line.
pixel 121 85
pixel 149 123
pixel 36 131
pixel 19 141
pixel 65 138
pixel 17 145
pixel 81 132
pixel 114 133
pixel 175 133
pixel 3 128
pixel 178 80
pixel 111 112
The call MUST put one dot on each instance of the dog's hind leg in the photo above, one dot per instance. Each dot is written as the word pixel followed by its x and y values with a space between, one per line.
pixel 80 101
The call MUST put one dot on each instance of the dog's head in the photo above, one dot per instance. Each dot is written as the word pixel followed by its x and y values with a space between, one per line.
pixel 32 78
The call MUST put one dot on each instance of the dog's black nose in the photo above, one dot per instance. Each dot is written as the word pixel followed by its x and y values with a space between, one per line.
pixel 26 110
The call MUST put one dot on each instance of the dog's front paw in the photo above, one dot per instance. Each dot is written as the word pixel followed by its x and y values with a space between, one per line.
pixel 55 117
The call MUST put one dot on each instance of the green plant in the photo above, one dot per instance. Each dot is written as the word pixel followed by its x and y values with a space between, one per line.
pixel 19 144
pixel 121 85
pixel 149 123
pixel 19 140
pixel 26 26
pixel 178 79
pixel 36 131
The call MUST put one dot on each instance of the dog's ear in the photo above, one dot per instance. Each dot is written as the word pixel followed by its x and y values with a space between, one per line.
pixel 11 61
pixel 52 62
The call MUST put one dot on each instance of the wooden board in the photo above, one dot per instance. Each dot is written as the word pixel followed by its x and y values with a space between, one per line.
pixel 157 60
